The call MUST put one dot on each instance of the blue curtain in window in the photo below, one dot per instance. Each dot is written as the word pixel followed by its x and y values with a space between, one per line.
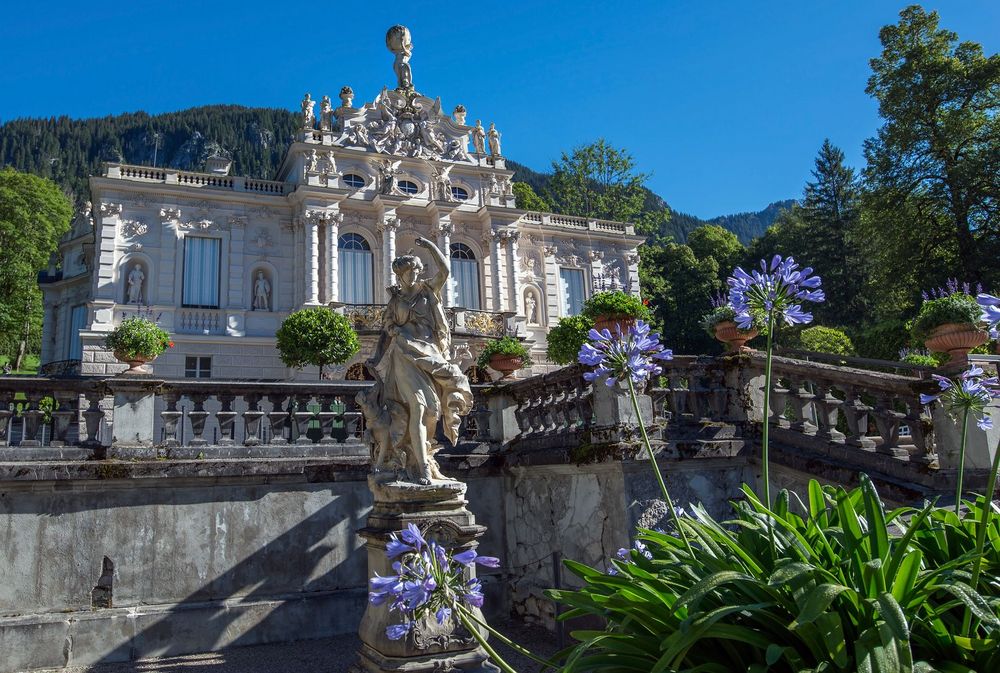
pixel 466 275
pixel 77 318
pixel 355 276
pixel 571 284
pixel 201 271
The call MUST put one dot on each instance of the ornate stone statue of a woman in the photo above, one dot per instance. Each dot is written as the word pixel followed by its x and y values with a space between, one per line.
pixel 416 384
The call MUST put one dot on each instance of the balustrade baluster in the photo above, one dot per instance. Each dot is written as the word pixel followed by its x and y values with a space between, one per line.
pixel 887 420
pixel 171 418
pixel 780 393
pixel 354 420
pixel 63 413
pixel 303 415
pixel 227 419
pixel 6 417
pixel 922 439
pixel 827 413
pixel 559 405
pixel 92 418
pixel 856 416
pixel 277 417
pixel 801 399
pixel 327 416
pixel 251 419
pixel 198 416
pixel 32 416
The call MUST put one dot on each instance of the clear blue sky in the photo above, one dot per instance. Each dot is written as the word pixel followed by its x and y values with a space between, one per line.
pixel 726 102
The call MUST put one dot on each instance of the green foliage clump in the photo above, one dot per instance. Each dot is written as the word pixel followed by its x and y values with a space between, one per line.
pixel 819 339
pixel 507 345
pixel 616 303
pixel 718 314
pixel 955 308
pixel 567 337
pixel 844 586
pixel 720 244
pixel 921 360
pixel 137 336
pixel 316 336
pixel 680 288
pixel 882 340
pixel 525 198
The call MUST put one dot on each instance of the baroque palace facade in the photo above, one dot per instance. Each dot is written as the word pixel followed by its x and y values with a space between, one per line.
pixel 220 260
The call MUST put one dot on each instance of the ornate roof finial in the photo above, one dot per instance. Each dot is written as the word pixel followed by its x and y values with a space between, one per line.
pixel 397 39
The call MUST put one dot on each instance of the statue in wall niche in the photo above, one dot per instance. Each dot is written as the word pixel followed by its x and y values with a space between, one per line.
pixel 261 293
pixel 479 138
pixel 531 308
pixel 398 40
pixel 308 117
pixel 415 382
pixel 325 114
pixel 494 140
pixel 135 278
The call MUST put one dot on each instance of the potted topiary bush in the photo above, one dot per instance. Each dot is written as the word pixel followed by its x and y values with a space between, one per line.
pixel 567 337
pixel 949 323
pixel 611 310
pixel 720 322
pixel 136 341
pixel 505 355
pixel 316 336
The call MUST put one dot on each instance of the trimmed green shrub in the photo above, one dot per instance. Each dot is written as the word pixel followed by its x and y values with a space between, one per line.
pixel 922 360
pixel 507 345
pixel 616 303
pixel 138 337
pixel 955 308
pixel 316 336
pixel 819 339
pixel 567 337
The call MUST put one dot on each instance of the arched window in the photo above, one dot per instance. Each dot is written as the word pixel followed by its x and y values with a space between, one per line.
pixel 459 194
pixel 408 187
pixel 465 274
pixel 354 272
pixel 354 181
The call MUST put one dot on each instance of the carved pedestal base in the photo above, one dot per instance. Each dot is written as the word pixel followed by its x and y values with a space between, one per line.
pixel 439 509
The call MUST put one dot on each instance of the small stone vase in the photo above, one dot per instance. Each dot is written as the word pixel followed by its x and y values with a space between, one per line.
pixel 955 339
pixel 506 364
pixel 611 323
pixel 136 364
pixel 735 338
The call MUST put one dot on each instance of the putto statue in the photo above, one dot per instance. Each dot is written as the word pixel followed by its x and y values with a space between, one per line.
pixel 416 384
pixel 397 39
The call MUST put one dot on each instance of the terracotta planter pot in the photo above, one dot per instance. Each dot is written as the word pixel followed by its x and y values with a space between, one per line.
pixel 610 323
pixel 955 339
pixel 728 333
pixel 506 364
pixel 136 364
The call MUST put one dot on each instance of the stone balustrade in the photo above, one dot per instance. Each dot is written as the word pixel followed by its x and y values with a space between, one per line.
pixel 194 179
pixel 551 409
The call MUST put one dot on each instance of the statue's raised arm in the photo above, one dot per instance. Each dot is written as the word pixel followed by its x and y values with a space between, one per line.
pixel 439 279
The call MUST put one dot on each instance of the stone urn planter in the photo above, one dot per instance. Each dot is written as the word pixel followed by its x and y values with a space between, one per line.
pixel 611 323
pixel 735 338
pixel 136 363
pixel 955 339
pixel 506 364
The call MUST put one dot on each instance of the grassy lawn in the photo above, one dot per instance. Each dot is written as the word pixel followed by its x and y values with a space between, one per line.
pixel 30 364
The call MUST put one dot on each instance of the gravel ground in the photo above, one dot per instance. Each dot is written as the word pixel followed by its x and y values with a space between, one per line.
pixel 330 655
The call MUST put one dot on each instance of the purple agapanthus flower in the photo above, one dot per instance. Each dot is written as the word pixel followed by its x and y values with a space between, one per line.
pixel 970 392
pixel 430 582
pixel 632 355
pixel 991 312
pixel 776 291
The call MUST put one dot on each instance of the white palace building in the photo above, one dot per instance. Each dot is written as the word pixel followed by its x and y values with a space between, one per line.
pixel 219 260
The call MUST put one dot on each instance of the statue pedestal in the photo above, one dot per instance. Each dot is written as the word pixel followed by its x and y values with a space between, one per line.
pixel 439 510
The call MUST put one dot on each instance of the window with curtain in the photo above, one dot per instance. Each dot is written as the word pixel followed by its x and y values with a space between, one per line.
pixel 77 320
pixel 465 276
pixel 354 270
pixel 571 284
pixel 201 272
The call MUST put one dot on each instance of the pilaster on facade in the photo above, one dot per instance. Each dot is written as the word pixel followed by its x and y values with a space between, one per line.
pixel 553 301
pixel 109 217
pixel 388 226
pixel 496 240
pixel 445 229
pixel 513 264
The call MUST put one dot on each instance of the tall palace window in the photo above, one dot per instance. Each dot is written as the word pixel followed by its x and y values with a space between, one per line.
pixel 354 272
pixel 571 284
pixel 77 321
pixel 465 274
pixel 201 272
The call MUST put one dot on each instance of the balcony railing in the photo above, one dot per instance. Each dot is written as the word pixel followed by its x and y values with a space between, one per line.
pixel 367 319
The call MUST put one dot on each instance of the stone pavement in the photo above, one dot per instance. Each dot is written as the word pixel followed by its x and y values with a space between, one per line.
pixel 329 655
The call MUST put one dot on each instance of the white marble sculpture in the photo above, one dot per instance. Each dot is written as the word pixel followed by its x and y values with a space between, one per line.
pixel 346 97
pixel 459 114
pixel 308 116
pixel 494 140
pixel 397 39
pixel 416 384
pixel 530 306
pixel 312 161
pixel 325 114
pixel 479 138
pixel 261 293
pixel 135 278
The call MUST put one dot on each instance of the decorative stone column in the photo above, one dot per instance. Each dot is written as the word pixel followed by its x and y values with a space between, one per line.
pixel 632 259
pixel 388 227
pixel 497 238
pixel 311 223
pixel 513 264
pixel 445 229
pixel 333 221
